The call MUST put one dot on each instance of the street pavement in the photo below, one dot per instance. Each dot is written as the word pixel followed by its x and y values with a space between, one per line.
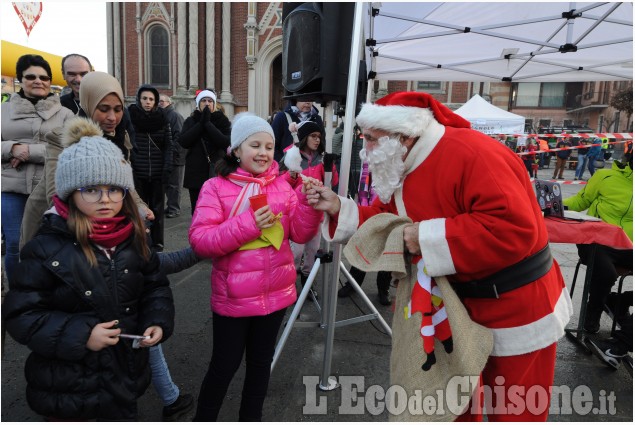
pixel 360 354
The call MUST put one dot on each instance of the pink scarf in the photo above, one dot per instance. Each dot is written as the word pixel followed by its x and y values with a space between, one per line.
pixel 250 186
pixel 107 232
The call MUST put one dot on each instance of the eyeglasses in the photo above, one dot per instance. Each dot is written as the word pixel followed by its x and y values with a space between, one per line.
pixel 93 194
pixel 32 77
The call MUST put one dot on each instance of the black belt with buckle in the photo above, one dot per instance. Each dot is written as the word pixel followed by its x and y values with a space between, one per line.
pixel 520 274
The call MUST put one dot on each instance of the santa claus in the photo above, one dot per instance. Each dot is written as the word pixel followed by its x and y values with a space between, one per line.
pixel 476 221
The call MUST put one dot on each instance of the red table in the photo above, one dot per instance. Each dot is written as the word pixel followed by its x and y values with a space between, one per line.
pixel 577 231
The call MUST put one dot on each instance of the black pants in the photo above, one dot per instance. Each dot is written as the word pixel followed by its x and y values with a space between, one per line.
pixel 153 194
pixel 194 197
pixel 604 272
pixel 234 336
pixel 383 278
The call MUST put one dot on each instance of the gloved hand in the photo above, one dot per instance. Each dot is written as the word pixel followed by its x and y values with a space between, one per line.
pixel 206 115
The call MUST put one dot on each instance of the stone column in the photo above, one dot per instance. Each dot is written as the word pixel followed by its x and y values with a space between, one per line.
pixel 252 48
pixel 226 98
pixel 139 44
pixel 210 45
pixel 193 42
pixel 116 29
pixel 181 51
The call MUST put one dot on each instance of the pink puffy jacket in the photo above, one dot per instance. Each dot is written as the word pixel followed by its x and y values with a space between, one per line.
pixel 253 282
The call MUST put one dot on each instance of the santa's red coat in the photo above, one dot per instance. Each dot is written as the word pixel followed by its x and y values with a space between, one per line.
pixel 478 215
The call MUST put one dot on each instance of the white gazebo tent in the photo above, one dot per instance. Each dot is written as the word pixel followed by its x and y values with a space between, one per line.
pixel 490 119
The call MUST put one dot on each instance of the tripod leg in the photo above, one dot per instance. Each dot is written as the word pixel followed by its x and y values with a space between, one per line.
pixel 295 313
pixel 362 294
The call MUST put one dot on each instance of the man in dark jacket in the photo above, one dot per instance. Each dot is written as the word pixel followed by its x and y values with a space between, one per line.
pixel 295 112
pixel 561 157
pixel 175 181
pixel 151 155
pixel 74 67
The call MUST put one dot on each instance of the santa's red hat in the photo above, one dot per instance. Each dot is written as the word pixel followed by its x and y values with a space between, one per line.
pixel 407 113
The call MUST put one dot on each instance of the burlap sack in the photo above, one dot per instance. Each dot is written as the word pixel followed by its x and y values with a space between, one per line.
pixel 378 245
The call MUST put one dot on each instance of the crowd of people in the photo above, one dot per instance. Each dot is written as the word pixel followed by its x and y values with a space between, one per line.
pixel 85 181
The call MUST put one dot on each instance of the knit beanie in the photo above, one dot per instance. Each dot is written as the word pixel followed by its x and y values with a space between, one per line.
pixel 95 86
pixel 89 159
pixel 245 125
pixel 203 94
pixel 407 113
pixel 307 127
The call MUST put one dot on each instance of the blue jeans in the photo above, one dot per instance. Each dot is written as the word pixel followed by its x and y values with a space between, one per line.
pixel 12 211
pixel 579 169
pixel 161 379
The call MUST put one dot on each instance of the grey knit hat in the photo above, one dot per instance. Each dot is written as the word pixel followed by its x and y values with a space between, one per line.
pixel 89 159
pixel 245 125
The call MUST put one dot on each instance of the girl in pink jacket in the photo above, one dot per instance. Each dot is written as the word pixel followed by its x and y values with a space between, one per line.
pixel 253 274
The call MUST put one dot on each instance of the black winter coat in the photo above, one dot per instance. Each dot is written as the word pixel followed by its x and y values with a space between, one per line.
pixel 216 136
pixel 52 307
pixel 153 149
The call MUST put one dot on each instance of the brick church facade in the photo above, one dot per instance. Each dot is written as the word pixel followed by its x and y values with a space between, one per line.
pixel 236 49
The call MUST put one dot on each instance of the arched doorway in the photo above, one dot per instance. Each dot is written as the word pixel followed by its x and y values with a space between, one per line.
pixel 277 90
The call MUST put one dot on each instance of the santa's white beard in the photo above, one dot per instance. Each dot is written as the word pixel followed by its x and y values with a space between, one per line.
pixel 385 161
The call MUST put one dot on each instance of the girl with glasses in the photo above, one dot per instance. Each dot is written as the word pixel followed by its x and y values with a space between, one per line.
pixel 87 278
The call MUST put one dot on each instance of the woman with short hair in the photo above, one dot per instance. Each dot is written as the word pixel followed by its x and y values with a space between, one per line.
pixel 26 119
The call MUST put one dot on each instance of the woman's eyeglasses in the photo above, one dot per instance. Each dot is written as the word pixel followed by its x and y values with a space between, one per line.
pixel 32 77
pixel 93 194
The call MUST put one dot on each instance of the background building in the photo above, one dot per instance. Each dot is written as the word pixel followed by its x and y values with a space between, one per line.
pixel 236 48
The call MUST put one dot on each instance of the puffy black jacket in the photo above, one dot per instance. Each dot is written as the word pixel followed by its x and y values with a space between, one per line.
pixel 153 149
pixel 55 301
pixel 215 134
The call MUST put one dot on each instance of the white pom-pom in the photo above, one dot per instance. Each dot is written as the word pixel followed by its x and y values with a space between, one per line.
pixel 293 159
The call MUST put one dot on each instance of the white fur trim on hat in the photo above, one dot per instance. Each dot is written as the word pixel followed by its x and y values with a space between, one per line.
pixel 246 124
pixel 406 120
pixel 203 94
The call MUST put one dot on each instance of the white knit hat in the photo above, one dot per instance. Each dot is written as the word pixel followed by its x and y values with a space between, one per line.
pixel 245 125
pixel 89 159
pixel 203 94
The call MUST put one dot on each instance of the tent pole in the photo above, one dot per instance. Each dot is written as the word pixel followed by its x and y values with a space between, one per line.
pixel 333 268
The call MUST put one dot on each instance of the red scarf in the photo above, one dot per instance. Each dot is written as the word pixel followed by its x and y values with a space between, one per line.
pixel 107 232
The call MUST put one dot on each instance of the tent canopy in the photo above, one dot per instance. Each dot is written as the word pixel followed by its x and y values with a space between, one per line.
pixel 510 41
pixel 490 119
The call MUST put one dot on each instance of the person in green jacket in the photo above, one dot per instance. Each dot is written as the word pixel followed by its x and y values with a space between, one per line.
pixel 608 195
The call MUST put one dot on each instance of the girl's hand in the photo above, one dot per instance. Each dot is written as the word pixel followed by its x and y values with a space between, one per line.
pixel 264 217
pixel 155 333
pixel 103 335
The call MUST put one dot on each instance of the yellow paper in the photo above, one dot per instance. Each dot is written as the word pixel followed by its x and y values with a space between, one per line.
pixel 270 236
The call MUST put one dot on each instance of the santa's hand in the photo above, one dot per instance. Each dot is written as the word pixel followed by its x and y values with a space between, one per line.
pixel 411 238
pixel 309 182
pixel 323 199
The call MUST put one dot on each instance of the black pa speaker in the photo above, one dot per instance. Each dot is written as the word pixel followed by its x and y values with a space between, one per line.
pixel 316 48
